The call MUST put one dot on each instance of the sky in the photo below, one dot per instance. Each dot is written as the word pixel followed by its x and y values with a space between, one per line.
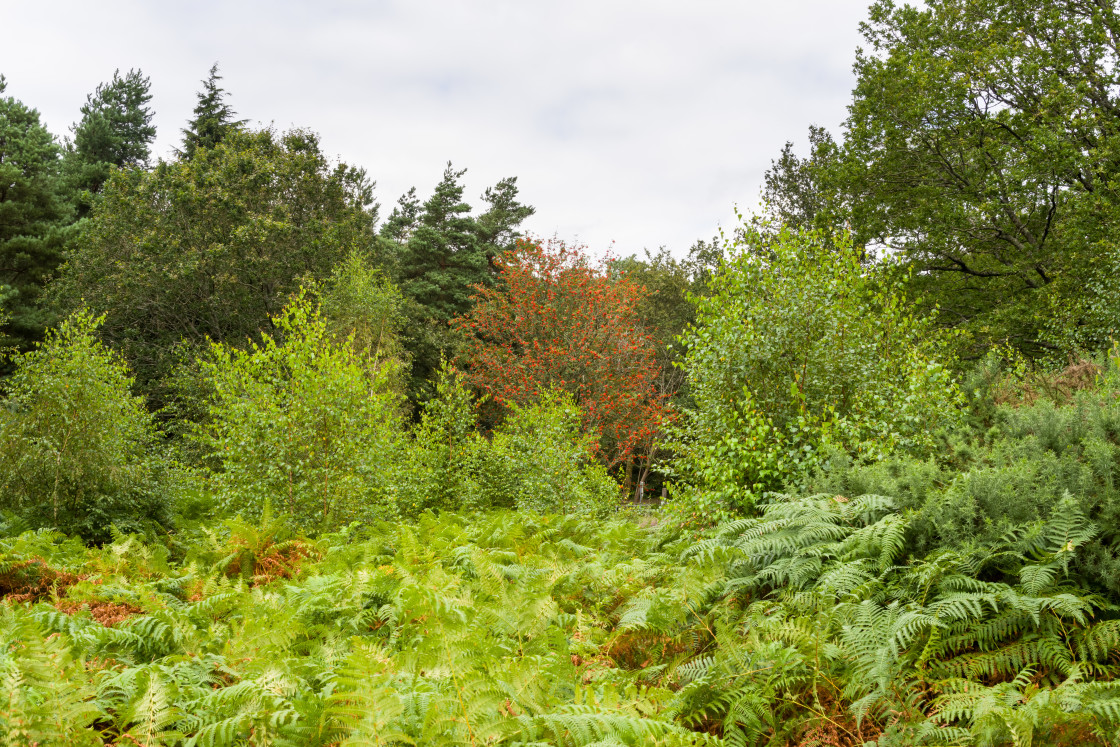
pixel 629 125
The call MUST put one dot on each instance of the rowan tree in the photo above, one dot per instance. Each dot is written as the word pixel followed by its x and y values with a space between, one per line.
pixel 556 321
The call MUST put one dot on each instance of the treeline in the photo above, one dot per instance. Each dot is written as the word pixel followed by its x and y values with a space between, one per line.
pixel 211 246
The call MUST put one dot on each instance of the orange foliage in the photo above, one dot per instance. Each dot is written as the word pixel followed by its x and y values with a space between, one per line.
pixel 554 320
pixel 32 580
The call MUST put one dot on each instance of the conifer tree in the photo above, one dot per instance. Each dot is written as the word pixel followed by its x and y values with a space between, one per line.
pixel 115 130
pixel 443 254
pixel 213 117
pixel 32 211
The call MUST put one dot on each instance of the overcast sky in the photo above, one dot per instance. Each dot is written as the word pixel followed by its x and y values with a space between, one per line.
pixel 641 123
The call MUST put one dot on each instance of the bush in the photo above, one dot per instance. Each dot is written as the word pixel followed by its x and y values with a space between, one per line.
pixel 1006 478
pixel 539 461
pixel 801 348
pixel 305 422
pixel 446 450
pixel 75 444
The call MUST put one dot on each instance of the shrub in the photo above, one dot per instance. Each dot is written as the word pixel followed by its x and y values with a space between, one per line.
pixel 75 444
pixel 540 461
pixel 1006 478
pixel 304 422
pixel 801 347
pixel 445 450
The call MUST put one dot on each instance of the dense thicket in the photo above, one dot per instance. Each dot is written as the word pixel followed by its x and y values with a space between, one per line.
pixel 209 248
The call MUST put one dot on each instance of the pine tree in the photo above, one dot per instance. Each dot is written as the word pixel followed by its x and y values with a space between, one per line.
pixel 443 253
pixel 32 212
pixel 441 259
pixel 213 117
pixel 115 131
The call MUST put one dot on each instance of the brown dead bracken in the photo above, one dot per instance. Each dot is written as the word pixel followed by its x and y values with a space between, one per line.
pixel 32 580
pixel 106 613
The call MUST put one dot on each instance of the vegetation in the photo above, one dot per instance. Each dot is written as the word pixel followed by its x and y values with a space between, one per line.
pixel 1004 204
pixel 823 619
pixel 304 424
pixel 211 247
pixel 32 207
pixel 557 322
pixel 115 132
pixel 76 446
pixel 803 347
pixel 274 474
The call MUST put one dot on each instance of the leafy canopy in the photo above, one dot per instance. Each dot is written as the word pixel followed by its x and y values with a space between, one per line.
pixel 211 247
pixel 555 321
pixel 981 146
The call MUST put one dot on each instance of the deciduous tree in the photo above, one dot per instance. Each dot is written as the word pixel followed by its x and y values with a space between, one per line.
pixel 982 147
pixel 802 345
pixel 556 321
pixel 212 247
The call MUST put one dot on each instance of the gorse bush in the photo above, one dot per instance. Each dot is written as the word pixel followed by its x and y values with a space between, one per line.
pixel 75 444
pixel 800 347
pixel 302 420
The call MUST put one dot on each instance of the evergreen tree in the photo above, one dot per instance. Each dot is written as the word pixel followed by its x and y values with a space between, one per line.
pixel 497 226
pixel 441 259
pixel 213 117
pixel 402 221
pixel 32 211
pixel 115 131
pixel 443 253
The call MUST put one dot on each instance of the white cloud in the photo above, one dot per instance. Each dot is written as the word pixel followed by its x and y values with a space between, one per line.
pixel 638 122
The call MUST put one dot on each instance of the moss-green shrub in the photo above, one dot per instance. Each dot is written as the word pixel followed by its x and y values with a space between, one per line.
pixel 304 422
pixel 539 460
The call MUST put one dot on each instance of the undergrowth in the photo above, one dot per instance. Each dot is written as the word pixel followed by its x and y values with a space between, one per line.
pixel 808 625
